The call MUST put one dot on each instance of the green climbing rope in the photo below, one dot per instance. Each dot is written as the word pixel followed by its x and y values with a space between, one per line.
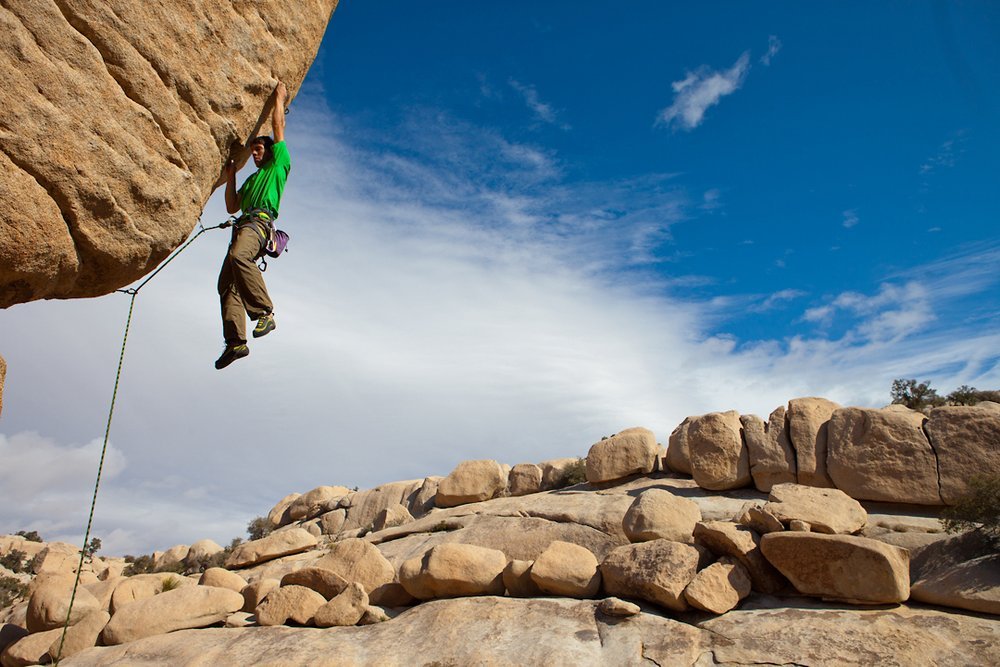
pixel 133 292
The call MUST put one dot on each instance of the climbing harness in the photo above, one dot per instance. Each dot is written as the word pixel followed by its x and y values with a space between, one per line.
pixel 133 291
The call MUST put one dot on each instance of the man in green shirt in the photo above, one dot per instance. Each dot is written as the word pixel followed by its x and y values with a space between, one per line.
pixel 241 286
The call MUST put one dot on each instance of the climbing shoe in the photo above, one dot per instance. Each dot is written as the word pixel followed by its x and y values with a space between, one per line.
pixel 231 354
pixel 265 325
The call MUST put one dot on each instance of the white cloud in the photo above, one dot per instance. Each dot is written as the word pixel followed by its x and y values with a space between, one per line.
pixel 773 46
pixel 776 299
pixel 851 218
pixel 700 90
pixel 542 110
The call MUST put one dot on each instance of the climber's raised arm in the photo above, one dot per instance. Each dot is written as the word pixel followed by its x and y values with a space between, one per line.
pixel 278 113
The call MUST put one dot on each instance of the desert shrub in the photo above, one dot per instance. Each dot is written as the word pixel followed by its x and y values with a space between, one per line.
pixel 915 395
pixel 138 565
pixel 13 560
pixel 170 584
pixel 30 535
pixel 11 591
pixel 576 473
pixel 258 528
pixel 92 547
pixel 979 509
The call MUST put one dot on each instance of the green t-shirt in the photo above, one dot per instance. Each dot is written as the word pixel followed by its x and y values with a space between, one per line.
pixel 264 187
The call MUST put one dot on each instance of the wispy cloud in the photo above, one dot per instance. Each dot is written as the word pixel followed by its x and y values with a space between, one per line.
pixel 773 46
pixel 541 110
pixel 700 90
pixel 851 218
pixel 945 157
pixel 775 300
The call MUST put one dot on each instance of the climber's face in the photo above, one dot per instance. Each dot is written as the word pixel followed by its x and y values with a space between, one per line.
pixel 259 154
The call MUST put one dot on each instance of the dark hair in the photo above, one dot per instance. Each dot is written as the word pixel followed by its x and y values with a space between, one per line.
pixel 262 139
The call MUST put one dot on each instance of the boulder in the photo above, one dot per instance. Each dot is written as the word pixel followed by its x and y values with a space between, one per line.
pixel 255 592
pixel 326 582
pixel 363 507
pixel 10 633
pixel 454 570
pixel 222 578
pixel 57 558
pixel 524 478
pixel 965 439
pixel 973 585
pixel 358 561
pixel 143 587
pixel 719 587
pixel 760 520
pixel 631 452
pixel 517 579
pixel 80 636
pixel 297 604
pixel 275 545
pixel 719 458
pixel 30 650
pixel 332 522
pixel 422 502
pixel 618 608
pixel 657 571
pixel 201 551
pixel 807 430
pixel 126 186
pixel 567 569
pixel 678 456
pixel 844 567
pixel 315 502
pixel 392 516
pixel 279 516
pixel 825 510
pixel 49 603
pixel 554 472
pixel 471 482
pixel 346 608
pixel 171 558
pixel 772 459
pixel 882 455
pixel 724 538
pixel 177 609
pixel 658 514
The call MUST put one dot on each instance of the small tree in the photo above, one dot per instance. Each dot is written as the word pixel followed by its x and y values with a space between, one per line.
pixel 30 535
pixel 259 528
pixel 92 547
pixel 914 395
pixel 13 560
pixel 979 509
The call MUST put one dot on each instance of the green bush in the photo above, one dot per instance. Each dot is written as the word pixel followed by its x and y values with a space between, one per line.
pixel 138 565
pixel 576 473
pixel 13 560
pixel 170 584
pixel 31 536
pixel 258 528
pixel 11 591
pixel 979 509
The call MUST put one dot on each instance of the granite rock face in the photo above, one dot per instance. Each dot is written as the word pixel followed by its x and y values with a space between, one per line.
pixel 118 118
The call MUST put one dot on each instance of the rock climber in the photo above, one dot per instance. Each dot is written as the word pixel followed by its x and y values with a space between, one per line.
pixel 242 291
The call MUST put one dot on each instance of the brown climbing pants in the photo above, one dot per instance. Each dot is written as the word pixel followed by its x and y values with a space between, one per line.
pixel 242 291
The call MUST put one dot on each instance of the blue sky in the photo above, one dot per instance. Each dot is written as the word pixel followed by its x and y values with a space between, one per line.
pixel 517 228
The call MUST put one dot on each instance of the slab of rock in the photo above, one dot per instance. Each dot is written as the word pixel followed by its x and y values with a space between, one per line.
pixel 658 514
pixel 49 603
pixel 567 569
pixel 517 579
pixel 719 587
pixel 554 472
pixel 279 516
pixel 524 478
pixel 882 455
pixel 760 520
pixel 30 650
pixel 678 456
pixel 633 451
pixel 360 562
pixel 316 501
pixel 965 439
pixel 826 510
pixel 454 570
pixel 724 538
pixel 844 567
pixel 99 214
pixel 10 633
pixel 297 604
pixel 180 608
pixel 719 457
pixel 80 636
pixel 57 558
pixel 973 585
pixel 392 516
pixel 618 608
pixel 363 507
pixel 143 587
pixel 275 545
pixel 772 459
pixel 222 578
pixel 346 608
pixel 807 430
pixel 471 482
pixel 255 592
pixel 656 571
pixel 326 582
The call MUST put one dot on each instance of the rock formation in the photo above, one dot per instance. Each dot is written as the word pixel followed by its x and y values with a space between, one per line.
pixel 635 566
